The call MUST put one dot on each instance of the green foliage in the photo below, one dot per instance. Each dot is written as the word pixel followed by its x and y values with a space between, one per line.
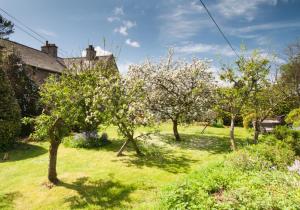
pixel 241 182
pixel 294 117
pixel 218 124
pixel 289 136
pixel 262 157
pixel 6 27
pixel 9 113
pixel 76 141
pixel 26 91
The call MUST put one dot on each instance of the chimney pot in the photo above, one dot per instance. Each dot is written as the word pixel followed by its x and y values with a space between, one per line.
pixel 50 49
pixel 90 53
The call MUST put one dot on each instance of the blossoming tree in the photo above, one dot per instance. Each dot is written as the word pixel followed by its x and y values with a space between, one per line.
pixel 176 90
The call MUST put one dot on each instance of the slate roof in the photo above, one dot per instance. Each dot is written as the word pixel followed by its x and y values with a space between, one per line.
pixel 83 63
pixel 34 57
pixel 39 59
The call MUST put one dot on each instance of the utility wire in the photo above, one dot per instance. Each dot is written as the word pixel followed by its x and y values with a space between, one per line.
pixel 63 52
pixel 226 39
pixel 16 19
pixel 29 34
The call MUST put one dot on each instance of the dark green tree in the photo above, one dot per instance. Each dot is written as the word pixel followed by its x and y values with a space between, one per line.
pixel 9 112
pixel 6 27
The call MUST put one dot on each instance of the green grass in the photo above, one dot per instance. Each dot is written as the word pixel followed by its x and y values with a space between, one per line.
pixel 97 179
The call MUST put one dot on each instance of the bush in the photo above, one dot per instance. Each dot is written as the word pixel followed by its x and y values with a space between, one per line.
pixel 10 119
pixel 218 124
pixel 231 185
pixel 79 140
pixel 262 157
pixel 288 136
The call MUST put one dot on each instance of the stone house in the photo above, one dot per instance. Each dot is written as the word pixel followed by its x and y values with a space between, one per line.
pixel 39 64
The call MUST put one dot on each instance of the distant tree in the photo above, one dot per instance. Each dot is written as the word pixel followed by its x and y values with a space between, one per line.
pixel 6 27
pixel 243 79
pixel 177 90
pixel 9 111
pixel 262 104
pixel 290 75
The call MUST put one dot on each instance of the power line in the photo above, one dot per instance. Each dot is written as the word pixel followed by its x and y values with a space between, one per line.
pixel 227 40
pixel 63 52
pixel 27 27
pixel 29 34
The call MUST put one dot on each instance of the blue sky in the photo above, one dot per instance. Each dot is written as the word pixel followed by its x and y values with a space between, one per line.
pixel 138 29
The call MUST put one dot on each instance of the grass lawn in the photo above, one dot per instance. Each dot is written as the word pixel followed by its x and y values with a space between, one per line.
pixel 97 179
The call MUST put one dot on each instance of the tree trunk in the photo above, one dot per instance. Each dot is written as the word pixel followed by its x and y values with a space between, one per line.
pixel 52 175
pixel 136 148
pixel 134 144
pixel 175 130
pixel 206 125
pixel 120 152
pixel 256 131
pixel 232 140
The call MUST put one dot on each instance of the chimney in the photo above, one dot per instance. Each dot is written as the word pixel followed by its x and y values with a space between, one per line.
pixel 90 53
pixel 50 49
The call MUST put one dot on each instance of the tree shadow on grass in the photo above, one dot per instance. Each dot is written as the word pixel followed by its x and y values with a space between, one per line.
pixel 159 157
pixel 23 151
pixel 99 194
pixel 7 200
pixel 211 143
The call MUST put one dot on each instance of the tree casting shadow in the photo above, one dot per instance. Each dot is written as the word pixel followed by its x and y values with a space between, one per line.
pixel 157 156
pixel 99 194
pixel 7 200
pixel 24 151
pixel 211 143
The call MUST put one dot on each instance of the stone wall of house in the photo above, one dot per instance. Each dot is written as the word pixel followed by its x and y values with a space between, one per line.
pixel 38 75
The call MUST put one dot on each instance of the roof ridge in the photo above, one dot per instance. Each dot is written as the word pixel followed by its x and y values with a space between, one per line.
pixel 28 47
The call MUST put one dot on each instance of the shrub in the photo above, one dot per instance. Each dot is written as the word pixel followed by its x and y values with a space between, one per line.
pixel 9 114
pixel 234 185
pixel 218 123
pixel 289 136
pixel 262 157
pixel 79 140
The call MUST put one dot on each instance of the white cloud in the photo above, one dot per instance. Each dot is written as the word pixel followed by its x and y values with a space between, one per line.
pixel 184 21
pixel 112 19
pixel 118 11
pixel 123 67
pixel 246 8
pixel 265 26
pixel 47 32
pixel 132 43
pixel 127 24
pixel 122 30
pixel 99 52
pixel 205 48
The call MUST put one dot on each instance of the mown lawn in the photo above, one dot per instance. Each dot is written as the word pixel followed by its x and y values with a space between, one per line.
pixel 97 179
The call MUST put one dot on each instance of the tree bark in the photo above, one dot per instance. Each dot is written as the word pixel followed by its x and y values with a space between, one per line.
pixel 136 148
pixel 256 131
pixel 206 125
pixel 120 152
pixel 52 175
pixel 134 144
pixel 175 130
pixel 232 140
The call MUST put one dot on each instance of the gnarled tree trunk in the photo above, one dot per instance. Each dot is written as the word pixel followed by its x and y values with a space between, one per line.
pixel 134 144
pixel 232 140
pixel 175 130
pixel 52 175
